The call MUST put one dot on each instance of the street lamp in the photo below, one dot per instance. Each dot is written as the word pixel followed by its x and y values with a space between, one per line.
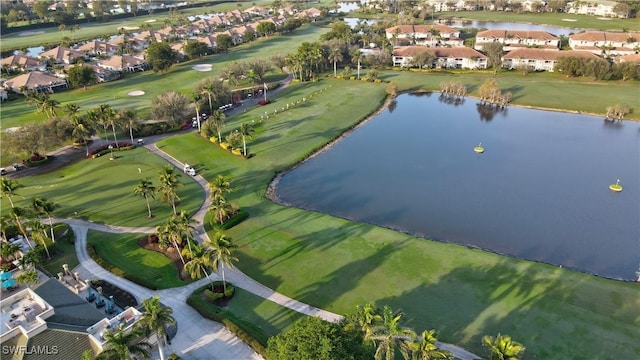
pixel 111 150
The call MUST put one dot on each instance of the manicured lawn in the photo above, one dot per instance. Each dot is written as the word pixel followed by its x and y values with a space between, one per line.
pixel 554 19
pixel 122 251
pixel 63 252
pixel 101 190
pixel 335 264
pixel 181 78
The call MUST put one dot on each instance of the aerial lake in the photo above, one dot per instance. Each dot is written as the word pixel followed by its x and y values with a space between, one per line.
pixel 540 191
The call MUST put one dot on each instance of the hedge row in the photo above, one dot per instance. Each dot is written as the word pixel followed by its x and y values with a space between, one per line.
pixel 245 331
pixel 236 219
pixel 105 149
pixel 117 271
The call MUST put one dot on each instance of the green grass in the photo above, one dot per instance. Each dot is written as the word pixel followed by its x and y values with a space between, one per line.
pixel 335 264
pixel 101 190
pixel 553 19
pixel 63 252
pixel 181 78
pixel 122 251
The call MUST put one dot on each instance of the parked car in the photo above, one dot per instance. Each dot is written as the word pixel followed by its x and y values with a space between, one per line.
pixel 3 171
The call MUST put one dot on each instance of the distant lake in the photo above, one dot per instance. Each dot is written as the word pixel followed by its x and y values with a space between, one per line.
pixel 494 25
pixel 539 192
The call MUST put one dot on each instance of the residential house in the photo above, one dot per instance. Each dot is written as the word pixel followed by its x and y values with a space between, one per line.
pixel 311 13
pixel 99 48
pixel 287 10
pixel 237 16
pixel 632 58
pixel 538 59
pixel 445 5
pixel 57 322
pixel 446 58
pixel 514 39
pixel 426 35
pixel 23 62
pixel 35 81
pixel 210 40
pixel 125 63
pixel 607 43
pixel 63 55
pixel 602 8
pixel 257 11
pixel 148 36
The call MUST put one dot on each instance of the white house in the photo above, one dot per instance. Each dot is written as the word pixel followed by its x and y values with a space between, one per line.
pixel 426 35
pixel 608 43
pixel 602 8
pixel 539 60
pixel 446 58
pixel 514 39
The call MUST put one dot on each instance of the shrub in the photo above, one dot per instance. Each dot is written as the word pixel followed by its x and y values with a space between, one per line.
pixel 225 145
pixel 213 139
pixel 212 296
pixel 245 331
pixel 105 149
pixel 240 216
pixel 37 159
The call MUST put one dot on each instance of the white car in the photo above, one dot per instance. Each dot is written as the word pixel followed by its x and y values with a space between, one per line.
pixel 189 170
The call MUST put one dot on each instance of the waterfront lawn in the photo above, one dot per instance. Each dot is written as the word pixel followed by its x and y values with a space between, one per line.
pixel 101 190
pixel 335 264
pixel 123 252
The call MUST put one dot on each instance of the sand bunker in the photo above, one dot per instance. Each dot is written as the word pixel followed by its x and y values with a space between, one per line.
pixel 202 67
pixel 569 20
pixel 30 33
pixel 128 28
pixel 151 20
pixel 135 93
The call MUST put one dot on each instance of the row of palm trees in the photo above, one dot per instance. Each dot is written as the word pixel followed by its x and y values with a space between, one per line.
pixel 384 330
pixel 27 220
pixel 168 189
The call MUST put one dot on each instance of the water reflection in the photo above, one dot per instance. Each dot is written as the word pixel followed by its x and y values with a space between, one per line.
pixel 451 99
pixel 539 191
pixel 495 25
pixel 488 111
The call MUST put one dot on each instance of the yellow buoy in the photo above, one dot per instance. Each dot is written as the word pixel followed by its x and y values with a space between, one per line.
pixel 616 187
pixel 479 149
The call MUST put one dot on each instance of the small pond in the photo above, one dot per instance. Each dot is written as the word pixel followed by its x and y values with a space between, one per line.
pixel 494 25
pixel 539 192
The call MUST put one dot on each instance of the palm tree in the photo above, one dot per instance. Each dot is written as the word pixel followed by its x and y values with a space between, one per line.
pixel 246 130
pixel 424 348
pixel 39 235
pixel 220 185
pixel 29 261
pixel 128 117
pixel 42 206
pixel 209 90
pixel 217 118
pixel 145 189
pixel 108 118
pixel 366 317
pixel 169 183
pixel 200 263
pixel 223 254
pixel 155 319
pixel 502 347
pixel 17 213
pixel 8 188
pixel 8 251
pixel 49 107
pixel 81 129
pixel 389 334
pixel 122 345
pixel 72 109
pixel 184 224
pixel 335 56
pixel 172 233
pixel 221 209
pixel 196 104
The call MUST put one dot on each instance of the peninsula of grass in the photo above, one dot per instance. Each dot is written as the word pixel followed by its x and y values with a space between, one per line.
pixel 101 191
pixel 145 267
pixel 336 264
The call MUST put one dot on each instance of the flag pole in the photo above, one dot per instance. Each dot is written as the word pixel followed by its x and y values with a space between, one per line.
pixel 265 92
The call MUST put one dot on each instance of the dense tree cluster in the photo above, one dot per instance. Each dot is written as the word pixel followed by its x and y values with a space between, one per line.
pixel 598 69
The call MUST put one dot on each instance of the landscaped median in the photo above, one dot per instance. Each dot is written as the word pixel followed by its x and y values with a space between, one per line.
pixel 250 317
pixel 335 264
pixel 121 255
